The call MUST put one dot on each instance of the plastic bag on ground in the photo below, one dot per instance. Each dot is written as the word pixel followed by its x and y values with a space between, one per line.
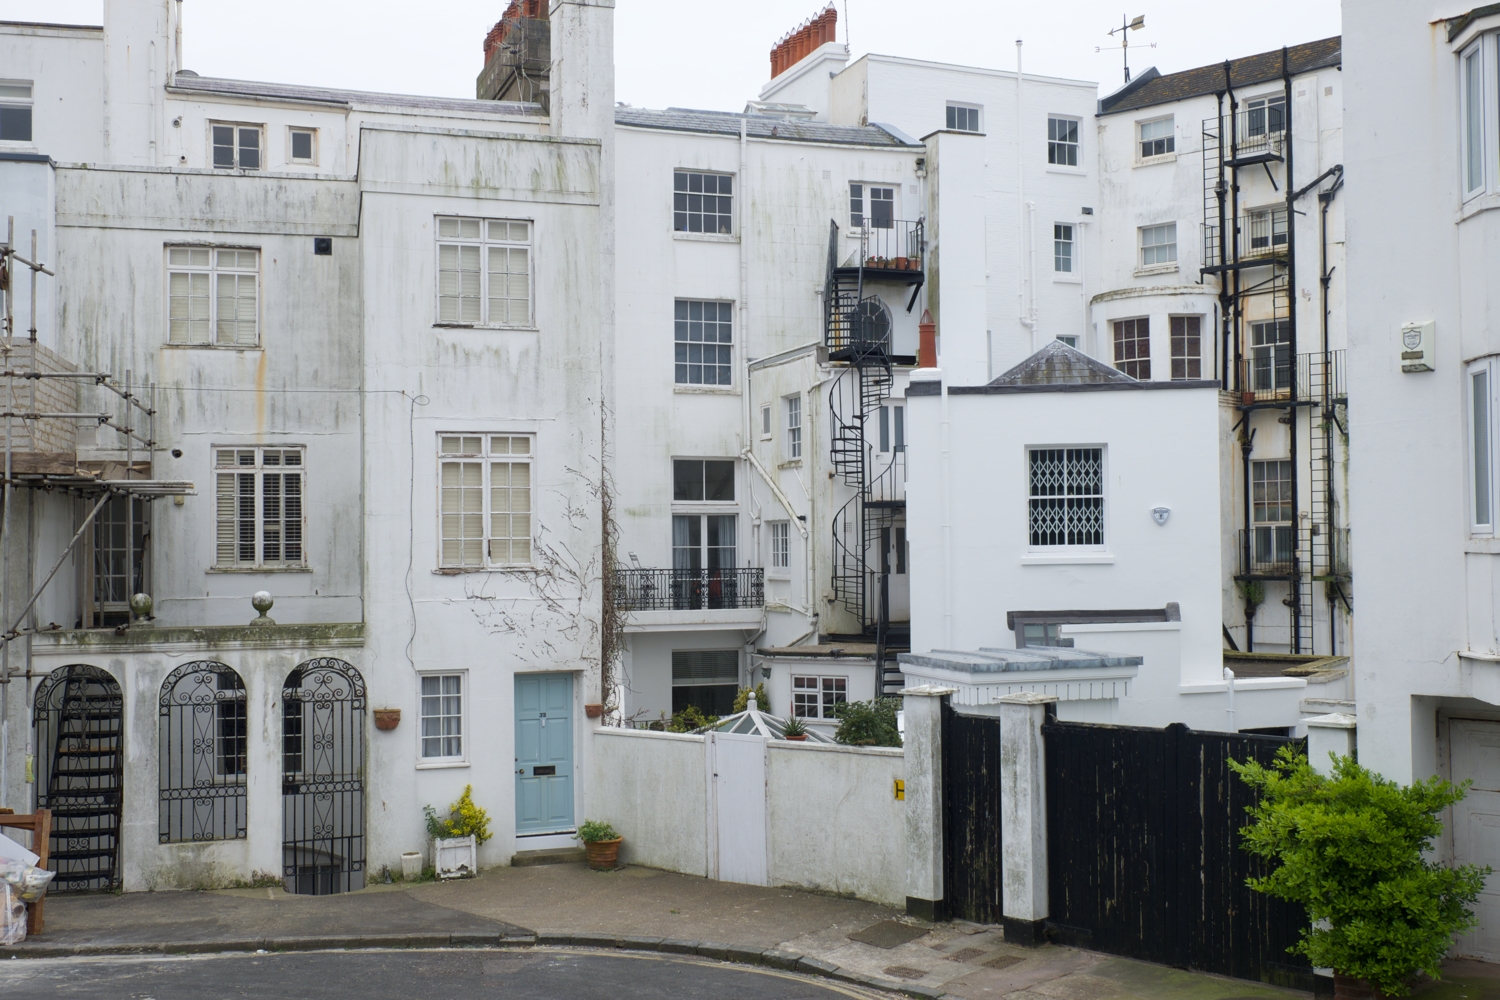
pixel 28 881
pixel 12 916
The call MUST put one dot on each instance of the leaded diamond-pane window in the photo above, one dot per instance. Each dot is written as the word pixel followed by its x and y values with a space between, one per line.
pixel 1067 496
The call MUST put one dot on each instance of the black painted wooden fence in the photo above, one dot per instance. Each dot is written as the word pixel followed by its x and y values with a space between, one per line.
pixel 1144 855
pixel 971 816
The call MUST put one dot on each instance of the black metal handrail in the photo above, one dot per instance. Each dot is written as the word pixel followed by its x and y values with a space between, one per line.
pixel 1268 375
pixel 689 589
pixel 898 246
pixel 1258 236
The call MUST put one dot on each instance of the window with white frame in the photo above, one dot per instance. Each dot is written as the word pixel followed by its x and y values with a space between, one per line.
pixel 1268 230
pixel 15 110
pixel 258 506
pixel 1067 497
pixel 1271 355
pixel 1062 141
pixel 963 117
pixel 1481 413
pixel 486 502
pixel 302 145
pixel 703 334
pixel 765 421
pixel 781 537
pixel 236 146
pixel 706 679
pixel 1187 347
pixel 1133 347
pixel 1472 99
pixel 818 697
pixel 702 202
pixel 1159 245
pixel 793 427
pixel 1271 500
pixel 442 717
pixel 484 272
pixel 1062 248
pixel 213 296
pixel 1158 137
pixel 892 417
pixel 872 206
pixel 1265 115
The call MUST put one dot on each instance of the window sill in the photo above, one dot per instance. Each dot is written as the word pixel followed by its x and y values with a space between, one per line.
pixel 439 765
pixel 705 237
pixel 1069 559
pixel 1475 204
pixel 1142 272
pixel 780 576
pixel 258 569
pixel 795 463
pixel 706 390
pixel 214 347
pixel 1070 171
pixel 466 570
pixel 1065 278
pixel 485 326
pixel 1156 160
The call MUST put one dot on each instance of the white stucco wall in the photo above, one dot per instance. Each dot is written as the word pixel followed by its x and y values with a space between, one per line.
pixel 652 787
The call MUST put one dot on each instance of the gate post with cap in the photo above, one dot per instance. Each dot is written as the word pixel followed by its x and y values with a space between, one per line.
pixel 923 750
pixel 1023 817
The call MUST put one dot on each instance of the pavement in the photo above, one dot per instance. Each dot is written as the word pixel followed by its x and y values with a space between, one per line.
pixel 568 908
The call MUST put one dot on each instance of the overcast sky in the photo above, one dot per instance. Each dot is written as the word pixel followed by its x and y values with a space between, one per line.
pixel 705 53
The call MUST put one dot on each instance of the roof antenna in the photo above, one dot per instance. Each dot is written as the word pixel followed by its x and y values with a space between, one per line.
pixel 1127 25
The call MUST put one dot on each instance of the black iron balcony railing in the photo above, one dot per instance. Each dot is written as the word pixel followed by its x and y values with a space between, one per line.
pixel 1268 375
pixel 1269 552
pixel 689 589
pixel 889 245
pixel 1259 239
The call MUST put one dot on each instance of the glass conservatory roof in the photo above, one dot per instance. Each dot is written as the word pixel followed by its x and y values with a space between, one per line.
pixel 753 722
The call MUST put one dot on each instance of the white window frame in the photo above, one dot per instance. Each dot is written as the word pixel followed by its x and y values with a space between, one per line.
pixel 487 456
pixel 781 548
pixel 825 686
pixel 861 204
pixel 12 99
pixel 682 350
pixel 183 260
pixel 1063 234
pixel 238 147
pixel 955 122
pixel 1480 436
pixel 1065 547
pixel 232 468
pixel 765 422
pixel 1475 128
pixel 1169 140
pixel 682 203
pixel 791 409
pixel 488 235
pixel 462 758
pixel 291 157
pixel 1063 146
pixel 1143 246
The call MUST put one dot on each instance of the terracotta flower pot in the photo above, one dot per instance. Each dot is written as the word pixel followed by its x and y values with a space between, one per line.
pixel 593 711
pixel 603 854
pixel 797 739
pixel 387 719
pixel 900 263
pixel 1349 988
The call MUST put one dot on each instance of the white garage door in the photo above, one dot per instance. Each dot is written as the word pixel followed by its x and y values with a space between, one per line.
pixel 1476 826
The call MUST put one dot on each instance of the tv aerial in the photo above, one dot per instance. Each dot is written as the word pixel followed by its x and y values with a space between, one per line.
pixel 1127 25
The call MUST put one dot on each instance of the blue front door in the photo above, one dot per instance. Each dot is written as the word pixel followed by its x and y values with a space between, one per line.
pixel 544 753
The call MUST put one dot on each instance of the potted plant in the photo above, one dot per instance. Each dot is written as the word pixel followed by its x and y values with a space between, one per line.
pixel 456 839
pixel 794 730
pixel 601 843
pixel 1352 849
pixel 899 263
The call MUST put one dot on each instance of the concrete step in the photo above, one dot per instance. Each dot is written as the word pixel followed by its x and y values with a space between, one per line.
pixel 550 856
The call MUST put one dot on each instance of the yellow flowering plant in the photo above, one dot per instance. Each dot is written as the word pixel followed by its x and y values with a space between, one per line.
pixel 465 819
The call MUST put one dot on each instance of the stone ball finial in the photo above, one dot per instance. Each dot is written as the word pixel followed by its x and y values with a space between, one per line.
pixel 262 602
pixel 141 605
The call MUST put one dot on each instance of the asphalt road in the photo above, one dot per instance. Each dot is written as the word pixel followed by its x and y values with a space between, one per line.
pixel 535 974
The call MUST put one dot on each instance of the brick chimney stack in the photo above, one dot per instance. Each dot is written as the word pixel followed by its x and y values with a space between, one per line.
pixel 517 10
pixel 805 40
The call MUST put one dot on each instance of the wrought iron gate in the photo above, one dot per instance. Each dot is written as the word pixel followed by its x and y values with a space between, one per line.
pixel 78 760
pixel 322 781
pixel 971 817
pixel 1144 856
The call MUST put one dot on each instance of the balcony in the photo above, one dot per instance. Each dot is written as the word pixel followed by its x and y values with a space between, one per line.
pixel 1260 239
pixel 890 249
pixel 1269 555
pixel 666 599
pixel 1268 377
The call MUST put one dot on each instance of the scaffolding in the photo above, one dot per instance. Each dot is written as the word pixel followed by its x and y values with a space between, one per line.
pixel 1252 251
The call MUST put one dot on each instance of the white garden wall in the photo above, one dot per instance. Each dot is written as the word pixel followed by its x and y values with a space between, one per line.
pixel 833 822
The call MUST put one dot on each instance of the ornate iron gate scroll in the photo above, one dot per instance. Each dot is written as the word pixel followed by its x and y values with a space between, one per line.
pixel 78 760
pixel 202 754
pixel 322 782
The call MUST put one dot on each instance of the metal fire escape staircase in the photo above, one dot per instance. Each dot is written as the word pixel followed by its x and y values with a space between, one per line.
pixel 857 334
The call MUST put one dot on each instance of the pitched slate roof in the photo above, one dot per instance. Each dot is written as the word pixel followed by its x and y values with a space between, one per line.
pixel 758 126
pixel 1059 364
pixel 1152 87
pixel 344 98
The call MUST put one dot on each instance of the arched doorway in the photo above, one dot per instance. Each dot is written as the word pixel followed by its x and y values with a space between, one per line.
pixel 78 713
pixel 322 778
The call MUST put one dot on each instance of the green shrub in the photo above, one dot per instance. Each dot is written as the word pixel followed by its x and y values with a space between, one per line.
pixel 868 723
pixel 794 727
pixel 465 819
pixel 1351 848
pixel 742 699
pixel 592 831
pixel 690 718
